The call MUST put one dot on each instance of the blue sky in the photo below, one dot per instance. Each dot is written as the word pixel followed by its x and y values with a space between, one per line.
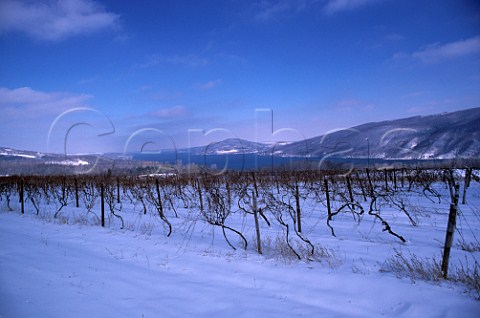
pixel 112 75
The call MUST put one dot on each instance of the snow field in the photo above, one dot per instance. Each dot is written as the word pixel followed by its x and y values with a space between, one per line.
pixel 71 267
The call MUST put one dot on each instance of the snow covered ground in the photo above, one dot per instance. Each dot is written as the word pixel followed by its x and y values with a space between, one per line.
pixel 71 267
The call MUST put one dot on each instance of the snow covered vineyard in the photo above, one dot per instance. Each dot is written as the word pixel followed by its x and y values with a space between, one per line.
pixel 297 244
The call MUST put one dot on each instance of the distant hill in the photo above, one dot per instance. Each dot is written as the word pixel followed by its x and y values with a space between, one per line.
pixel 230 146
pixel 22 162
pixel 442 136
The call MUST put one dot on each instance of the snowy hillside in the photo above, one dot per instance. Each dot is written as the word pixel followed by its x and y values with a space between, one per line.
pixel 21 162
pixel 443 136
pixel 230 146
pixel 8 153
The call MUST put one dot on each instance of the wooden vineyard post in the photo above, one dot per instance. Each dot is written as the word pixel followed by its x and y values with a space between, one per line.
pixel 395 179
pixel 160 204
pixel 21 194
pixel 297 205
pixel 370 185
pixel 327 194
pixel 199 189
pixel 329 210
pixel 361 187
pixel 229 194
pixel 452 219
pixel 468 177
pixel 385 175
pixel 102 200
pixel 64 189
pixel 76 193
pixel 350 192
pixel 332 181
pixel 118 190
pixel 257 226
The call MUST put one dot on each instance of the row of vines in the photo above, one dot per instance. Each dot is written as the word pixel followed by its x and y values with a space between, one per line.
pixel 267 198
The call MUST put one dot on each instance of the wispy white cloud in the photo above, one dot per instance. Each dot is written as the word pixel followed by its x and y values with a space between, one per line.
pixel 435 105
pixel 55 20
pixel 335 6
pixel 420 109
pixel 268 10
pixel 190 60
pixel 208 85
pixel 272 10
pixel 25 103
pixel 415 94
pixel 394 37
pixel 352 105
pixel 436 52
pixel 27 114
pixel 172 112
pixel 187 60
